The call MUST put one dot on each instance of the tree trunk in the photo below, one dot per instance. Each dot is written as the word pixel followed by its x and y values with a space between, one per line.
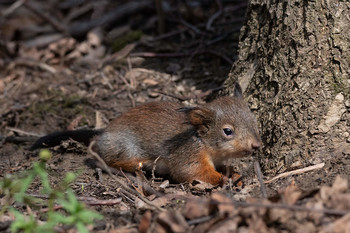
pixel 294 65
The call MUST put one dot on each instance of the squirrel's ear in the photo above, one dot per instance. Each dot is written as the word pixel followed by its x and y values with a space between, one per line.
pixel 199 116
pixel 238 91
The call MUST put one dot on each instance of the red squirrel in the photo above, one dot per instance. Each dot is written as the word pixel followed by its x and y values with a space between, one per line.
pixel 189 141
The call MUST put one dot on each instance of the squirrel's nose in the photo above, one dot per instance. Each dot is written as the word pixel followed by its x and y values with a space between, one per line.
pixel 255 144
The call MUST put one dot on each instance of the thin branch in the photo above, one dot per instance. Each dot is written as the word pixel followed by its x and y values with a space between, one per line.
pixel 296 172
pixel 55 23
pixel 23 132
pixel 214 16
pixel 160 15
pixel 13 8
pixel 154 167
pixel 260 178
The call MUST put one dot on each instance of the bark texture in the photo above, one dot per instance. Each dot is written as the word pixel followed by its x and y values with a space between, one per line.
pixel 294 65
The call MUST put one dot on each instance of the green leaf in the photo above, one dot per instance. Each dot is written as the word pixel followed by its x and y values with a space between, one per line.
pixel 81 228
pixel 40 170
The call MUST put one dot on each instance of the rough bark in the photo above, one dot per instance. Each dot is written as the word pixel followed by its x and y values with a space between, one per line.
pixel 294 65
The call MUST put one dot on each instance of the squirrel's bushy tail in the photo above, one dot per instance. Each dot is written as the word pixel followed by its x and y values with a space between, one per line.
pixel 54 139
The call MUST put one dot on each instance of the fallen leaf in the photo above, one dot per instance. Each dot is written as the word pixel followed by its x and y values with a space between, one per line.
pixel 150 82
pixel 341 225
pixel 164 184
pixel 326 193
pixel 291 194
pixel 201 186
pixel 162 201
pixel 75 122
pixel 171 221
pixel 224 204
pixel 2 86
pixel 123 230
pixel 145 222
pixel 196 208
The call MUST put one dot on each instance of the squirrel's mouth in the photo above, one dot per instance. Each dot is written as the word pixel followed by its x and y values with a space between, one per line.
pixel 246 153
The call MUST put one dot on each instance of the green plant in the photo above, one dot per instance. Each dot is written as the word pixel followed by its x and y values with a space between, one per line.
pixel 15 188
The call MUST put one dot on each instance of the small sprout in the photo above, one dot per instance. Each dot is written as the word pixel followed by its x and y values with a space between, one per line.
pixel 45 155
pixel 70 177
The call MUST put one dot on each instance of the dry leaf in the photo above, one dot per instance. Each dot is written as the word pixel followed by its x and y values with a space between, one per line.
pixel 307 227
pixel 257 224
pixel 162 201
pixel 95 37
pixel 164 184
pixel 228 225
pixel 340 185
pixel 341 225
pixel 124 230
pixel 2 86
pixel 340 201
pixel 224 204
pixel 150 82
pixel 171 221
pixel 201 186
pixel 291 194
pixel 196 208
pixel 75 122
pixel 145 222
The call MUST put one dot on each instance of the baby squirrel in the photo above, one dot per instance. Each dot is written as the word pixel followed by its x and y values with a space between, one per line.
pixel 189 141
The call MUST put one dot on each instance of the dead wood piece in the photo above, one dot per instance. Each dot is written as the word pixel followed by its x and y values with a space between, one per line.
pixel 296 172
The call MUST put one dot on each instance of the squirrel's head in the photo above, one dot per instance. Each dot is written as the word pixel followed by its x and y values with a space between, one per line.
pixel 227 126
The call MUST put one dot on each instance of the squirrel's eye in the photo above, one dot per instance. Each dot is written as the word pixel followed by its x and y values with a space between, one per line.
pixel 228 131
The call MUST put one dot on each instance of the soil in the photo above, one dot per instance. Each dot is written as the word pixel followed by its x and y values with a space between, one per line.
pixel 81 88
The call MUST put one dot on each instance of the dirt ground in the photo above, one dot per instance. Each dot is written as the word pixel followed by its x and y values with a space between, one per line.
pixel 89 79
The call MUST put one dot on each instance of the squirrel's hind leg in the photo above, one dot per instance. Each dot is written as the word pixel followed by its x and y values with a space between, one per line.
pixel 202 168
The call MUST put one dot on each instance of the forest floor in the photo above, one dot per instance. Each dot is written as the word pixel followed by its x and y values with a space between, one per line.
pixel 50 81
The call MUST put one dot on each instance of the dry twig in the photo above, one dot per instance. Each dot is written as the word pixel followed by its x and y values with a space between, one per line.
pixel 261 181
pixel 216 15
pixel 55 24
pixel 296 172
pixel 19 131
pixel 13 8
